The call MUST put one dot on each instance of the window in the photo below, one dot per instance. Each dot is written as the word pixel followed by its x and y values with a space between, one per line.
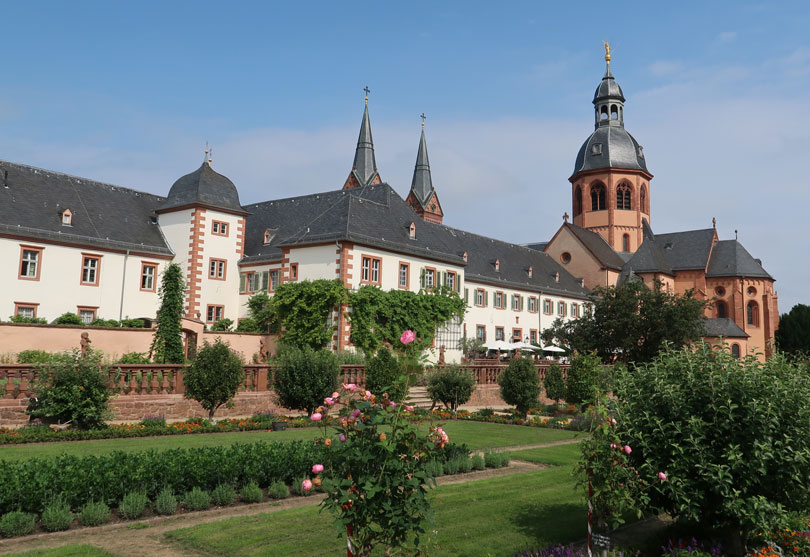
pixel 404 275
pixel 643 200
pixel 30 262
pixel 479 297
pixel 24 309
pixel 561 309
pixel 499 333
pixel 214 313
pixel 752 291
pixel 578 201
pixel 499 301
pixel 466 295
pixel 533 336
pixel 735 350
pixel 623 197
pixel 547 307
pixel 721 309
pixel 274 278
pixel 565 258
pixel 452 283
pixel 370 270
pixel 449 334
pixel 219 228
pixel 412 231
pixel 720 291
pixel 574 309
pixel 293 271
pixel 429 278
pixel 532 304
pixel 752 313
pixel 268 236
pixel 481 332
pixel 148 274
pixel 247 282
pixel 517 335
pixel 626 242
pixel 517 302
pixel 87 314
pixel 216 269
pixel 90 268
pixel 598 197
pixel 67 217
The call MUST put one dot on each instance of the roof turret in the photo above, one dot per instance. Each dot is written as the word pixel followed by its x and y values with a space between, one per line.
pixel 364 169
pixel 422 184
pixel 205 187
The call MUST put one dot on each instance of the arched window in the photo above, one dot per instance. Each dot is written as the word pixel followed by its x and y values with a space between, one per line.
pixel 643 205
pixel 603 114
pixel 614 112
pixel 626 242
pixel 623 197
pixel 735 350
pixel 752 314
pixel 722 311
pixel 598 197
pixel 578 201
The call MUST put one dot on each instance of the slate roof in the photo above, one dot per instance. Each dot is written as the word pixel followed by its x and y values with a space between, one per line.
pixel 731 259
pixel 597 246
pixel 422 183
pixel 204 186
pixel 615 148
pixel 648 258
pixel 608 88
pixel 723 327
pixel 365 164
pixel 688 250
pixel 104 215
pixel 377 216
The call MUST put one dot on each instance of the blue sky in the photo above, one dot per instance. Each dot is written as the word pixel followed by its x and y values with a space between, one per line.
pixel 716 92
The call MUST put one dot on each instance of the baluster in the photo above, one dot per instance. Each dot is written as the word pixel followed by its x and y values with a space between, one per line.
pixel 9 386
pixel 23 385
pixel 153 384
pixel 133 384
pixel 248 379
pixel 143 387
pixel 164 384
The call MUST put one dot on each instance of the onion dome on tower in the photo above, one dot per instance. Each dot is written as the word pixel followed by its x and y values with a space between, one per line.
pixel 203 188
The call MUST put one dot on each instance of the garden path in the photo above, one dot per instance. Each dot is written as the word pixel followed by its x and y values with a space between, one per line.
pixel 125 541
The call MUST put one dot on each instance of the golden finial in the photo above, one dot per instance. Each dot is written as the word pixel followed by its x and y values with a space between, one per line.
pixel 607 52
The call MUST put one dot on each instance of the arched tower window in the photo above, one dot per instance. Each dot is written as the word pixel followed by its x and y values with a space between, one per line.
pixel 752 313
pixel 623 197
pixel 578 201
pixel 643 200
pixel 603 114
pixel 614 112
pixel 626 242
pixel 598 197
pixel 722 311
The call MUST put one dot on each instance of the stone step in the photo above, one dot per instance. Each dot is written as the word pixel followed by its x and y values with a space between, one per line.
pixel 418 397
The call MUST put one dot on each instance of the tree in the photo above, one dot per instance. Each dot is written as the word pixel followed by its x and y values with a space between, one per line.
pixel 304 309
pixel 167 344
pixel 304 377
pixel 451 385
pixel 383 374
pixel 520 385
pixel 261 318
pixel 731 437
pixel 471 347
pixel 585 378
pixel 222 325
pixel 554 382
pixel 793 335
pixel 631 323
pixel 214 376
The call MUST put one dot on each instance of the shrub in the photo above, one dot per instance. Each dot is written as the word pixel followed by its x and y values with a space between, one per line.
pixel 57 516
pixel 153 421
pixel 132 505
pixel 197 499
pixel 585 379
pixel 105 323
pixel 732 437
pixel 496 460
pixel 434 469
pixel 34 357
pixel 166 502
pixel 17 523
pixel 344 357
pixel 305 377
pixel 214 376
pixel 451 467
pixel 133 323
pixel 68 319
pixel 248 325
pixel 22 319
pixel 451 385
pixel 477 462
pixel 383 372
pixel 554 382
pixel 167 342
pixel 223 324
pixel 71 388
pixel 133 358
pixel 520 385
pixel 251 493
pixel 223 495
pixel 94 513
pixel 278 490
pixel 464 464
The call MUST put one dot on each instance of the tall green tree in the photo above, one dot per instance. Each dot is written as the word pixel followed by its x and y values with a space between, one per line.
pixel 793 335
pixel 214 376
pixel 631 323
pixel 167 344
pixel 303 309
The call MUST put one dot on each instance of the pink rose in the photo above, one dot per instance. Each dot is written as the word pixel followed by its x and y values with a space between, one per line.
pixel 407 337
pixel 329 401
pixel 662 476
pixel 627 449
pixel 342 438
pixel 409 408
pixel 336 395
pixel 392 404
pixel 306 485
pixel 317 468
pixel 613 421
pixel 613 445
pixel 356 412
pixel 316 417
pixel 350 386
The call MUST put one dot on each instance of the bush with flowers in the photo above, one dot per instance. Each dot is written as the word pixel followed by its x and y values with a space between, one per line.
pixel 374 469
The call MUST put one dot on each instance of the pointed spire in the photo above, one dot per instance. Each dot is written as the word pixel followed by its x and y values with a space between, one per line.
pixel 364 168
pixel 422 184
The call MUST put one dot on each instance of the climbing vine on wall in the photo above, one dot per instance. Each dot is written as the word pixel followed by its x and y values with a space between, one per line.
pixel 167 344
pixel 304 310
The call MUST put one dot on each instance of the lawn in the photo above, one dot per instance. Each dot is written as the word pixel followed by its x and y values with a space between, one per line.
pixel 477 435
pixel 66 551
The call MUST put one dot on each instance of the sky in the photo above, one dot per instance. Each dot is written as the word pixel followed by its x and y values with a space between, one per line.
pixel 717 93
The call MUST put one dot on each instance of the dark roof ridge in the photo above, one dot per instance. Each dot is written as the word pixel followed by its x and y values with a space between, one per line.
pixel 81 178
pixel 684 231
pixel 511 244
pixel 356 192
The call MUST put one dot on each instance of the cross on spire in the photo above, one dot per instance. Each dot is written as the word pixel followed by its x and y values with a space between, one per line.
pixel 367 90
pixel 423 117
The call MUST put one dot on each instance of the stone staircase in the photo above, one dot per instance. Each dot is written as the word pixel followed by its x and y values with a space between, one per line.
pixel 418 397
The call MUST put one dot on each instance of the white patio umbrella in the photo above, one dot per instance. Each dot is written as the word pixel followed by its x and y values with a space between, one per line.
pixel 501 345
pixel 524 346
pixel 551 348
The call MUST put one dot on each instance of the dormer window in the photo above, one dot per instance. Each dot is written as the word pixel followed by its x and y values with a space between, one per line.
pixel 531 271
pixel 557 276
pixel 67 218
pixel 498 265
pixel 465 257
pixel 412 231
pixel 596 149
pixel 267 236
pixel 640 152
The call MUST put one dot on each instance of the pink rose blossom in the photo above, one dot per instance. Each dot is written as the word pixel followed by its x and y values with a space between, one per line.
pixel 392 404
pixel 336 395
pixel 329 401
pixel 316 417
pixel 350 386
pixel 662 476
pixel 409 408
pixel 317 468
pixel 356 412
pixel 306 485
pixel 407 337
pixel 613 421
pixel 342 438
pixel 613 445
pixel 627 449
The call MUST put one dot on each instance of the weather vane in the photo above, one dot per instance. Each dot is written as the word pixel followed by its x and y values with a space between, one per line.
pixel 422 116
pixel 607 52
